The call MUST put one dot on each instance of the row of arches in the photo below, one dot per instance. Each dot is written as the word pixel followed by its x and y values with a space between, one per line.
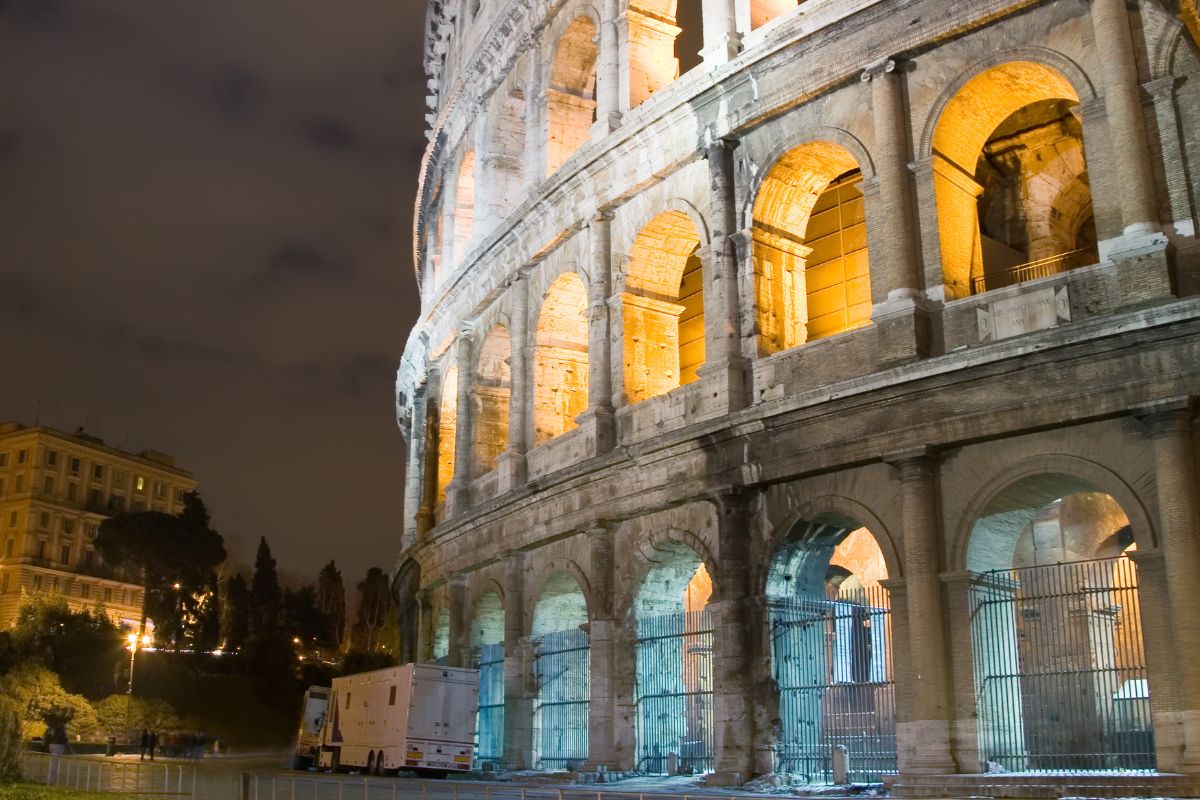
pixel 664 41
pixel 1012 200
pixel 1058 664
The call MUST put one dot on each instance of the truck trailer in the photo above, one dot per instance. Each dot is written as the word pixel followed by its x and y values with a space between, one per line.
pixel 312 720
pixel 417 717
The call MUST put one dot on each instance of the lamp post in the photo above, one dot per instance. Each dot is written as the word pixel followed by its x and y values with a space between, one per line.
pixel 134 640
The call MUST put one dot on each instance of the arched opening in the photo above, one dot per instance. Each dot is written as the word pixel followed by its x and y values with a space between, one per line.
pixel 464 206
pixel 492 390
pixel 763 11
pixel 441 636
pixel 408 606
pixel 561 670
pixel 830 620
pixel 447 426
pixel 674 679
pixel 665 37
pixel 1011 181
pixel 1056 632
pixel 689 15
pixel 506 164
pixel 571 95
pixel 663 308
pixel 560 359
pixel 487 656
pixel 811 272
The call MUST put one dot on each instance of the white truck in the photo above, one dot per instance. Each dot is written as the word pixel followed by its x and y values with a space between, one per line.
pixel 417 717
pixel 312 720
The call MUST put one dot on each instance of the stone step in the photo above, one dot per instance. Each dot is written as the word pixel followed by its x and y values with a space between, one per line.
pixel 1035 785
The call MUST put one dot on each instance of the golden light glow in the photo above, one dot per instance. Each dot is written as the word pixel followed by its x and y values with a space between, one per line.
pixel 571 95
pixel 447 424
pixel 811 274
pixel 663 308
pixel 560 359
pixel 492 390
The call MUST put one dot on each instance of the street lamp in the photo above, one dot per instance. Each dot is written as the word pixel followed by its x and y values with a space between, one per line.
pixel 134 641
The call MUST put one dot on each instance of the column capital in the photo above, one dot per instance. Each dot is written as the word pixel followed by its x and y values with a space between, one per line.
pixel 1166 417
pixel 916 459
pixel 721 146
pixel 883 66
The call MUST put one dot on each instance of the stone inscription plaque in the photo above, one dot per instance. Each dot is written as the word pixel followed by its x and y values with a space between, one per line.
pixel 1037 310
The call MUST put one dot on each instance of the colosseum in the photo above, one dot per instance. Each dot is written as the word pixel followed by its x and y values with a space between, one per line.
pixel 808 389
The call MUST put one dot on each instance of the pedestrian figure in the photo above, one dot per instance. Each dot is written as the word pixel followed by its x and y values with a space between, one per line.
pixel 145 745
pixel 153 742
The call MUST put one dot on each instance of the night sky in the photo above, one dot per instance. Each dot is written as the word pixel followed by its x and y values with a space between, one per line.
pixel 205 223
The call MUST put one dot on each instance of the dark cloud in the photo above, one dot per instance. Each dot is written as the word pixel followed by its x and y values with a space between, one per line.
pixel 330 134
pixel 236 93
pixel 205 211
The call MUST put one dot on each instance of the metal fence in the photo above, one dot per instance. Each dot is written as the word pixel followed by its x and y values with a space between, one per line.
pixel 1042 268
pixel 832 662
pixel 674 693
pixel 560 718
pixel 110 775
pixel 1060 668
pixel 489 727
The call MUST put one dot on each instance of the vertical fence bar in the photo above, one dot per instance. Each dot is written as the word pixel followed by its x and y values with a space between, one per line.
pixel 561 669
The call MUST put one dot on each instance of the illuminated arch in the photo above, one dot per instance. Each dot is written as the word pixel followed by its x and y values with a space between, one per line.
pixel 560 358
pixel 492 390
pixel 663 308
pixel 1008 159
pixel 812 277
pixel 446 430
pixel 464 206
pixel 571 94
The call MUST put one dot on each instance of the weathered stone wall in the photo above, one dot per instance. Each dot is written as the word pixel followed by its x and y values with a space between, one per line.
pixel 588 449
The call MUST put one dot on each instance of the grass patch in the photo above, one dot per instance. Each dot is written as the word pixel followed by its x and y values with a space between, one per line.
pixel 20 790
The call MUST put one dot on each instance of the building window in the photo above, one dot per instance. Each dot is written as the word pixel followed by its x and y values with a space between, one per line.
pixel 88 558
pixel 1 486
pixel 68 526
pixel 120 595
pixel 108 594
pixel 74 466
pixel 41 548
pixel 51 458
pixel 3 459
pixel 72 490
pixel 65 554
pixel 44 520
pixel 22 455
pixel 95 497
pixel 48 485
pixel 37 582
pixel 4 584
pixel 140 484
pixel 19 484
pixel 85 590
pixel 8 547
pixel 159 489
pixel 92 529
pixel 97 472
pixel 119 477
pixel 12 519
pixel 116 503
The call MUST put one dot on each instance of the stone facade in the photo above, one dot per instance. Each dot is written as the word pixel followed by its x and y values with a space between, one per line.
pixel 55 490
pixel 918 268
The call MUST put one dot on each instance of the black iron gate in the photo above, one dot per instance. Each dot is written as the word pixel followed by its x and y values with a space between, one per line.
pixel 560 665
pixel 832 662
pixel 1060 668
pixel 489 728
pixel 674 693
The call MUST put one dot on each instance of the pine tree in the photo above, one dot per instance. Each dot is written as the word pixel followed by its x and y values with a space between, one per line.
pixel 331 600
pixel 266 597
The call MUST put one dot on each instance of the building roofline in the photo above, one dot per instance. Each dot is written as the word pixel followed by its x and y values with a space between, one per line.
pixel 155 459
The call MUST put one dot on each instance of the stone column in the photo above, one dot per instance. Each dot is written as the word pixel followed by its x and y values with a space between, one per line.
pixel 721 38
pixel 899 315
pixel 723 368
pixel 414 470
pixel 483 220
pixel 1178 508
pixel 600 408
pixel 536 134
pixel 926 735
pixel 511 464
pixel 458 492
pixel 1182 213
pixel 1158 639
pixel 425 634
pixel 460 621
pixel 608 72
pixel 518 705
pixel 429 463
pixel 964 733
pixel 601 751
pixel 732 709
pixel 1126 122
